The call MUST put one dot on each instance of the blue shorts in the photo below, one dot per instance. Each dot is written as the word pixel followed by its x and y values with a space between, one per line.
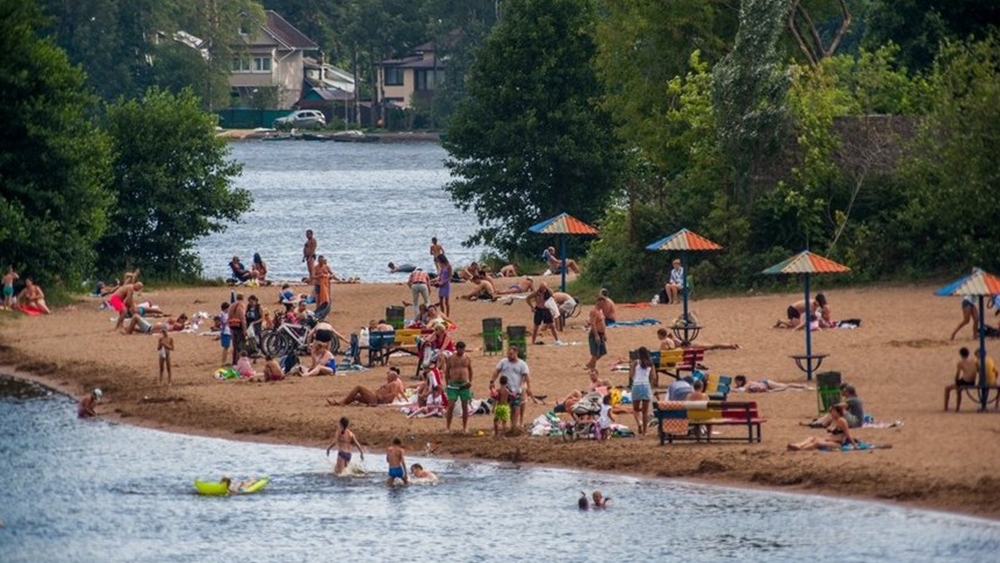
pixel 396 473
pixel 225 340
pixel 641 392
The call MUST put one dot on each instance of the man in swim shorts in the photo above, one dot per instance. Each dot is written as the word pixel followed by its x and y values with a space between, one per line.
pixel 597 338
pixel 120 298
pixel 516 371
pixel 458 384
pixel 344 439
pixel 966 371
pixel 394 456
pixel 309 252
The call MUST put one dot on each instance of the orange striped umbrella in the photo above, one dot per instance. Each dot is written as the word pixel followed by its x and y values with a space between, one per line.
pixel 562 225
pixel 808 263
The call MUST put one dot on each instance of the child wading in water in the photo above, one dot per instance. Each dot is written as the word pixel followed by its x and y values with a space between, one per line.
pixel 164 346
pixel 501 413
pixel 397 463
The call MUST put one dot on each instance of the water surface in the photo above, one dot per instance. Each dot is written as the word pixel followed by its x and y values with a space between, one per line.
pixel 91 490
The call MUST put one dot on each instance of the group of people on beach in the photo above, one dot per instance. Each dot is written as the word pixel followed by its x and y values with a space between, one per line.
pixel 29 298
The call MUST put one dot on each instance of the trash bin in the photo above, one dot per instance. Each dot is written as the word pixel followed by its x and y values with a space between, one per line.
pixel 827 390
pixel 395 316
pixel 518 336
pixel 493 336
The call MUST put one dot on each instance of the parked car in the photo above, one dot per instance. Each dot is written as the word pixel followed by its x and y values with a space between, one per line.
pixel 301 119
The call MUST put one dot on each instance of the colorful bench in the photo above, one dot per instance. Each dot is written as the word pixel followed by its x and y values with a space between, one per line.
pixel 675 419
pixel 384 343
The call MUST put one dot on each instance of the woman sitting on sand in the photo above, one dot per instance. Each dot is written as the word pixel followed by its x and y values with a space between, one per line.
pixel 33 296
pixel 741 385
pixel 840 435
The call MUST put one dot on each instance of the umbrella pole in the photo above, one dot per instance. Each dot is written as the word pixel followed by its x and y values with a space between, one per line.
pixel 983 391
pixel 562 250
pixel 808 330
pixel 684 287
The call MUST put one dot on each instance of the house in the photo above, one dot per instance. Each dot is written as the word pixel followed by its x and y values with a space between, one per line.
pixel 412 78
pixel 271 59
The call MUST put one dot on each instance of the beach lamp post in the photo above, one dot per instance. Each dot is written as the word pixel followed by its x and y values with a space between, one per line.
pixel 807 263
pixel 684 241
pixel 562 225
pixel 978 284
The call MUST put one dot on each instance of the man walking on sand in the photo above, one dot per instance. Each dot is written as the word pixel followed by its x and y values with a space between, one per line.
pixel 516 371
pixel 458 385
pixel 309 252
pixel 596 337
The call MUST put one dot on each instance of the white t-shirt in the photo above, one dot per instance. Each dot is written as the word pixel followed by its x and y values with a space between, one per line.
pixel 641 376
pixel 515 371
pixel 604 420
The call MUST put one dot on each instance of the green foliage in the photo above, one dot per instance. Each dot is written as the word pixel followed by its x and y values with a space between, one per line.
pixel 529 141
pixel 172 181
pixel 54 164
pixel 749 96
pixel 953 207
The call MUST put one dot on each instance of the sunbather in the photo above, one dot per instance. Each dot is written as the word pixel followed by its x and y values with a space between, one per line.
pixel 483 290
pixel 392 389
pixel 763 386
pixel 521 286
pixel 555 263
pixel 671 342
pixel 840 435
pixel 240 273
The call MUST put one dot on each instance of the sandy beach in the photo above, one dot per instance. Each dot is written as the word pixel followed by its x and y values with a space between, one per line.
pixel 899 360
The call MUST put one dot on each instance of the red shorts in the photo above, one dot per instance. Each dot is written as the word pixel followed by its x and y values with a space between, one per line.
pixel 116 303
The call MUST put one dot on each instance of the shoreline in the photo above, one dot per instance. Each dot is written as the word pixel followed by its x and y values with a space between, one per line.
pixel 65 389
pixel 939 461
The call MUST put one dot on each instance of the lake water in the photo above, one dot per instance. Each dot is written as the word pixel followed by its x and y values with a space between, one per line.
pixel 368 204
pixel 91 490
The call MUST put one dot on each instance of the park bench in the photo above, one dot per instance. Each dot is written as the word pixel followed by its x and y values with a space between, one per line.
pixel 385 343
pixel 677 419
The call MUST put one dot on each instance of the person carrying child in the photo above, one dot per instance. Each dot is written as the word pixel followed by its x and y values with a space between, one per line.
pixel 501 411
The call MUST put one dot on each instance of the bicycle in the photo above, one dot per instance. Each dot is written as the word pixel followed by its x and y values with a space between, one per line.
pixel 290 338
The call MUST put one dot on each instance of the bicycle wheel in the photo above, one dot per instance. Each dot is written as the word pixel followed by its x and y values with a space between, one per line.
pixel 273 343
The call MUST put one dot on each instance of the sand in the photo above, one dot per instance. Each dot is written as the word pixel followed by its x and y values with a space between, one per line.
pixel 899 360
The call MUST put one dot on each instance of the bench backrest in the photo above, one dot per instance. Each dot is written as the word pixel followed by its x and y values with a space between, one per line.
pixel 692 356
pixel 407 337
pixel 381 338
pixel 709 410
pixel 671 357
pixel 717 384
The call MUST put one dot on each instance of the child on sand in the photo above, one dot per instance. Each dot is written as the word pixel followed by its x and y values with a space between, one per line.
pixel 397 464
pixel 605 419
pixel 164 346
pixel 272 370
pixel 501 413
pixel 243 365
pixel 225 337
pixel 8 287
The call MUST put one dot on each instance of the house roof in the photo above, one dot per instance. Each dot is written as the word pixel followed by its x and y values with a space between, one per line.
pixel 414 62
pixel 287 34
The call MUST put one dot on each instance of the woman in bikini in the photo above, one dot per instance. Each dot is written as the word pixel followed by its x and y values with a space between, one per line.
pixel 344 440
pixel 840 435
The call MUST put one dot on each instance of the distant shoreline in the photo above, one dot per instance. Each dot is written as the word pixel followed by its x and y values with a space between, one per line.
pixel 234 135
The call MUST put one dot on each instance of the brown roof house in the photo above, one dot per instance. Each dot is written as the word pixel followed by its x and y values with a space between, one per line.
pixel 271 60
pixel 413 77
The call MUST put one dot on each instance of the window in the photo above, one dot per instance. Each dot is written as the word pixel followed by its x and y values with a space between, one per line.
pixel 262 64
pixel 393 76
pixel 241 64
pixel 426 79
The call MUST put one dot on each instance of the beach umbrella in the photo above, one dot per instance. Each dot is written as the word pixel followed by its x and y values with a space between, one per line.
pixel 807 263
pixel 684 241
pixel 982 285
pixel 562 225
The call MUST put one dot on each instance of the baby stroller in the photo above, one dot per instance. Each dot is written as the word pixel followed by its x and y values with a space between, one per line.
pixel 584 413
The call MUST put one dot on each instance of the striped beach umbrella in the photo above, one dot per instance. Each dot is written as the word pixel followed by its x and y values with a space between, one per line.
pixel 684 241
pixel 978 284
pixel 807 263
pixel 562 225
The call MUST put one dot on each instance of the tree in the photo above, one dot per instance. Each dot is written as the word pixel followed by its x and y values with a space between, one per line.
pixel 172 182
pixel 530 141
pixel 54 164
pixel 749 96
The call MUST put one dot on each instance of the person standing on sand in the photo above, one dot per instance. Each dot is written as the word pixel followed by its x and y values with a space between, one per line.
pixel 119 297
pixel 966 371
pixel 8 287
pixel 238 325
pixel 458 385
pixel 501 410
pixel 641 391
pixel 597 338
pixel 419 283
pixel 85 408
pixel 395 457
pixel 225 336
pixel 443 282
pixel 436 250
pixel 970 313
pixel 164 346
pixel 309 252
pixel 344 439
pixel 542 309
pixel 518 383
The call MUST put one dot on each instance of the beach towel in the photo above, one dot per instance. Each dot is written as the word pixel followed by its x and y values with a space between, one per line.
pixel 648 321
pixel 31 310
pixel 863 446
